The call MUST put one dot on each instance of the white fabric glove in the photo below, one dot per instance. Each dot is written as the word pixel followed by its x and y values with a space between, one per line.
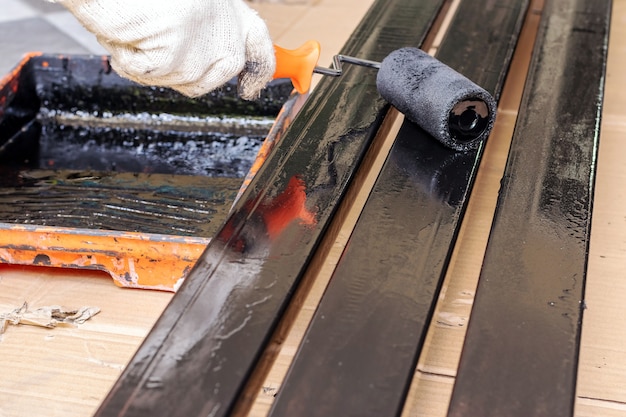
pixel 192 46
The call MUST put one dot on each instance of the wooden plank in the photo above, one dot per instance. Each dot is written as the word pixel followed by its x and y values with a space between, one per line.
pixel 440 356
pixel 199 355
pixel 521 351
pixel 363 342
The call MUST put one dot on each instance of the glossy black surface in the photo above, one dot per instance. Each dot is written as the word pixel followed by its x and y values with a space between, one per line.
pixel 198 356
pixel 360 351
pixel 521 352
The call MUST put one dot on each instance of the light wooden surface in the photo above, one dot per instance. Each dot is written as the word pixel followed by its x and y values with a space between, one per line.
pixel 67 371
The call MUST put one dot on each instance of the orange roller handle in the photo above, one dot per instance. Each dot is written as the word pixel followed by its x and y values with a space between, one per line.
pixel 297 64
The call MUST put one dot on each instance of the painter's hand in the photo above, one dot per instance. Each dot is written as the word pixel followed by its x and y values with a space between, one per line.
pixel 192 46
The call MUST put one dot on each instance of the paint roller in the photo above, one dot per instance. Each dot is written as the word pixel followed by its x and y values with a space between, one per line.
pixel 453 109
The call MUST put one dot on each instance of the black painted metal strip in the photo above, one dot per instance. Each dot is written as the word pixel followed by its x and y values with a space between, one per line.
pixel 362 346
pixel 198 356
pixel 521 352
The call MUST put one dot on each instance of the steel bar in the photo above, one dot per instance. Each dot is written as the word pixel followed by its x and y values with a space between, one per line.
pixel 196 359
pixel 337 67
pixel 521 352
pixel 361 348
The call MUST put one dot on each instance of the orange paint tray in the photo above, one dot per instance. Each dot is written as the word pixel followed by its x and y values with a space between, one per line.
pixel 101 173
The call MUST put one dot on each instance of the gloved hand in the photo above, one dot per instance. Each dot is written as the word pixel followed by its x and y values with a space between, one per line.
pixel 192 46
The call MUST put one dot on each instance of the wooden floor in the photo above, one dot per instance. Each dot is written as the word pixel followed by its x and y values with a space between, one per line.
pixel 68 371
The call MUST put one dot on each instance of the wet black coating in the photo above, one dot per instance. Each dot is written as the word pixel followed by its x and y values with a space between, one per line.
pixel 521 351
pixel 427 91
pixel 81 147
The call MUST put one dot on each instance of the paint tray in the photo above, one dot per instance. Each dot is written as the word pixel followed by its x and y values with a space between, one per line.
pixel 100 173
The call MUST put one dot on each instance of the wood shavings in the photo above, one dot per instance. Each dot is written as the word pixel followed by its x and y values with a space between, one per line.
pixel 48 316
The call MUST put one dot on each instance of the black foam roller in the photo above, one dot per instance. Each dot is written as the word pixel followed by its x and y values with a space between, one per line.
pixel 450 107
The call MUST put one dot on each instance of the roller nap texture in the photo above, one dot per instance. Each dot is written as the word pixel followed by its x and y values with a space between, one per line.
pixel 453 109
